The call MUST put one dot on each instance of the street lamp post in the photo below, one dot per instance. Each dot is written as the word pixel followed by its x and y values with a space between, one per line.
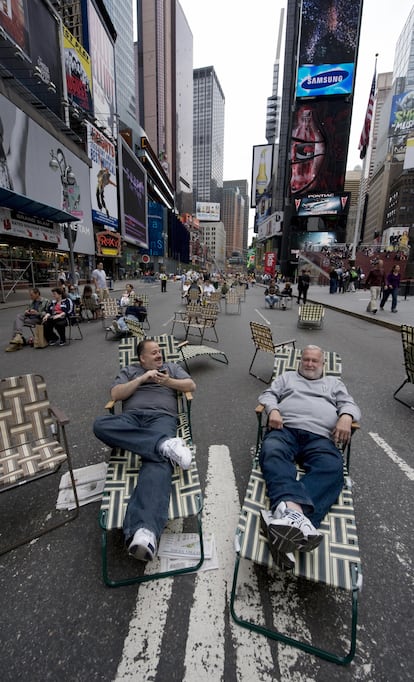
pixel 68 180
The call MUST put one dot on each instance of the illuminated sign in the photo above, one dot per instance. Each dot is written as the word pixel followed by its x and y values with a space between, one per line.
pixel 108 243
pixel 323 204
pixel 327 79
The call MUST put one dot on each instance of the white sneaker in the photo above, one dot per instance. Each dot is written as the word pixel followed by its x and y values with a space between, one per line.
pixel 176 450
pixel 143 545
pixel 290 530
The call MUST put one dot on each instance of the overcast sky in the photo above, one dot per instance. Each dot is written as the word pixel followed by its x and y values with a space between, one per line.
pixel 238 37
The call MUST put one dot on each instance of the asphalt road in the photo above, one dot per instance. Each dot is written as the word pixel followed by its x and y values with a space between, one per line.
pixel 58 620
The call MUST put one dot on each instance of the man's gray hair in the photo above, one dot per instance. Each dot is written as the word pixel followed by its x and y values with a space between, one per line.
pixel 312 347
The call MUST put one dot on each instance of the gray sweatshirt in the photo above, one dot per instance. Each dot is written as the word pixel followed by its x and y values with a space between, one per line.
pixel 309 404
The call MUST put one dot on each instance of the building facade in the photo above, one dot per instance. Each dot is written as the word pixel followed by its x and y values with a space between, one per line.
pixel 208 135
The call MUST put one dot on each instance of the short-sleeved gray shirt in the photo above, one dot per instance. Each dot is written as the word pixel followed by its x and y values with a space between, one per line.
pixel 151 397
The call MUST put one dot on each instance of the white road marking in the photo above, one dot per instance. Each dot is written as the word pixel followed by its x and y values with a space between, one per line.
pixel 205 652
pixel 142 646
pixel 405 468
pixel 262 316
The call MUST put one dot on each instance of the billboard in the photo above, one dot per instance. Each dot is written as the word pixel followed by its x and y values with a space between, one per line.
pixel 327 48
pixel 409 154
pixel 262 167
pixel 325 79
pixel 402 115
pixel 319 146
pixel 323 204
pixel 207 211
pixel 329 31
pixel 313 241
pixel 101 50
pixel 271 227
pixel 31 50
pixel 155 230
pixel 78 72
pixel 269 267
pixel 133 196
pixel 27 171
pixel 102 178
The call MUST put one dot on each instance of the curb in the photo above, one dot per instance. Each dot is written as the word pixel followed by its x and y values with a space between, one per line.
pixel 374 320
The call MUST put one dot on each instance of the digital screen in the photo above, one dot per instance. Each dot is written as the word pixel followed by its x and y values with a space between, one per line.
pixel 323 204
pixel 327 79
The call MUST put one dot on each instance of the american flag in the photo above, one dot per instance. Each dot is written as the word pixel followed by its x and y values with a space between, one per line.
pixel 364 139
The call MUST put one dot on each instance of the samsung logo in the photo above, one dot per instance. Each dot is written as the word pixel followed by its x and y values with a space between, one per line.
pixel 324 79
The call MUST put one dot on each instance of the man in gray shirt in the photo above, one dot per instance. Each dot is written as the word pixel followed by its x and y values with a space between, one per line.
pixel 308 416
pixel 148 425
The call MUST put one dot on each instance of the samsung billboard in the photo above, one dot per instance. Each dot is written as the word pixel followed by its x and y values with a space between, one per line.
pixel 328 79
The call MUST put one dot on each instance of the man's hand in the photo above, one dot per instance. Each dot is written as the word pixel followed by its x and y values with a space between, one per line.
pixel 156 376
pixel 275 420
pixel 342 431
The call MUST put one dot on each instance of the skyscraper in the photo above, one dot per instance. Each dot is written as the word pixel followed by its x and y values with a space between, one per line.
pixel 273 102
pixel 120 12
pixel 240 187
pixel 164 58
pixel 208 135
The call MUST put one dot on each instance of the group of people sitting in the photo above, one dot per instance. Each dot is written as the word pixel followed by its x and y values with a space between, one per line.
pixel 132 308
pixel 273 294
pixel 47 319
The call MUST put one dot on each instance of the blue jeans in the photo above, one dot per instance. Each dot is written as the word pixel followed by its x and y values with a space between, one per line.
pixel 394 295
pixel 322 482
pixel 143 434
pixel 271 299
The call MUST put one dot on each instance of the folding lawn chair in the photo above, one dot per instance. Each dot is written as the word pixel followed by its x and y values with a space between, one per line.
pixel 310 315
pixel 336 562
pixel 123 471
pixel 186 351
pixel 263 341
pixel 33 442
pixel 407 338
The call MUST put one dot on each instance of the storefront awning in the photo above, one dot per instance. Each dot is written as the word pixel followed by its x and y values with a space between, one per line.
pixel 18 202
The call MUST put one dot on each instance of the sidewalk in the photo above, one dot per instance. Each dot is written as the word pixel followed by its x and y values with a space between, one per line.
pixel 20 297
pixel 355 304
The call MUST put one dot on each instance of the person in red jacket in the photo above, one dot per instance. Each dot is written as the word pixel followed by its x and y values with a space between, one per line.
pixel 375 281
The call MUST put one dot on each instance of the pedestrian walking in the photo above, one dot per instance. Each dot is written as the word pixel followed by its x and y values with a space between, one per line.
pixel 391 287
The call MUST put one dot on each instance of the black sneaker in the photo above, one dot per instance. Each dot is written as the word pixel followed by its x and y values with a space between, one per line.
pixel 285 561
pixel 289 530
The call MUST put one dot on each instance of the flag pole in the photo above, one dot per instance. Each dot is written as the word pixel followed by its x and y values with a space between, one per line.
pixel 361 197
pixel 363 146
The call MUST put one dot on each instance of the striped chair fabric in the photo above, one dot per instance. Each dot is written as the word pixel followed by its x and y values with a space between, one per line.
pixel 28 449
pixel 287 360
pixel 329 563
pixel 311 315
pixel 31 431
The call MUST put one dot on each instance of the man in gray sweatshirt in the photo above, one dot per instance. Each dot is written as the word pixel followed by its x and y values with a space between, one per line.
pixel 308 416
